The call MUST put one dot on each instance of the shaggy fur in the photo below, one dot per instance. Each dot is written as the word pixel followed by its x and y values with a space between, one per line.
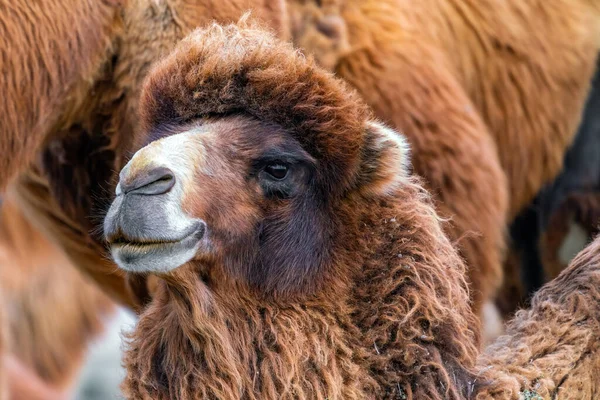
pixel 51 312
pixel 50 52
pixel 388 315
pixel 489 94
pixel 552 348
pixel 73 180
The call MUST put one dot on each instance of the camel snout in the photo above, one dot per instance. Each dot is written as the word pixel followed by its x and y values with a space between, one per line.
pixel 146 228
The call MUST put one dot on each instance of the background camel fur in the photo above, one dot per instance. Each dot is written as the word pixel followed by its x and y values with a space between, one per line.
pixel 68 188
pixel 50 54
pixel 563 218
pixel 22 383
pixel 484 91
pixel 51 313
pixel 383 311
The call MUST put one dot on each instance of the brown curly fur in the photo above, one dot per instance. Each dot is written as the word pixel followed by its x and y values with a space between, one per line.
pixel 489 94
pixel 50 312
pixel 91 138
pixel 387 315
pixel 552 348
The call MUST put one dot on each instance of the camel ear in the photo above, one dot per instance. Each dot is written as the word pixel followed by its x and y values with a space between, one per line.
pixel 386 159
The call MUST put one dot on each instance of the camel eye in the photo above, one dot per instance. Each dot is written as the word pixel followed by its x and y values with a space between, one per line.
pixel 277 171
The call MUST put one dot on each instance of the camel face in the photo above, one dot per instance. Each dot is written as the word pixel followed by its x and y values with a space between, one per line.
pixel 248 177
pixel 233 186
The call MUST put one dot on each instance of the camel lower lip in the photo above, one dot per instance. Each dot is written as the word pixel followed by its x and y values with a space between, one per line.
pixel 147 243
pixel 146 246
pixel 155 256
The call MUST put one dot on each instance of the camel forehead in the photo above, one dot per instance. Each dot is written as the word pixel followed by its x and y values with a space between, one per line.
pixel 179 152
pixel 188 143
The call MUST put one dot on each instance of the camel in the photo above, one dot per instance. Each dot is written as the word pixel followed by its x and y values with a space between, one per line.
pixel 471 85
pixel 297 256
pixel 265 193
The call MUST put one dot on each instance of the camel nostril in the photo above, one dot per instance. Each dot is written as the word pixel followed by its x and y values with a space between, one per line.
pixel 153 182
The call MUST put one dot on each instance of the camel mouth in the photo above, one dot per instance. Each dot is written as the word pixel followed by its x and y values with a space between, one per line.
pixel 142 245
pixel 158 255
pixel 120 238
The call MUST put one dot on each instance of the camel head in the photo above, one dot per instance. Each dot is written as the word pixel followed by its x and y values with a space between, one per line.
pixel 249 155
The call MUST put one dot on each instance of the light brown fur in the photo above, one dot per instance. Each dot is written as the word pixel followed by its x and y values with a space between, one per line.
pixel 23 384
pixel 49 55
pixel 489 94
pixel 51 313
